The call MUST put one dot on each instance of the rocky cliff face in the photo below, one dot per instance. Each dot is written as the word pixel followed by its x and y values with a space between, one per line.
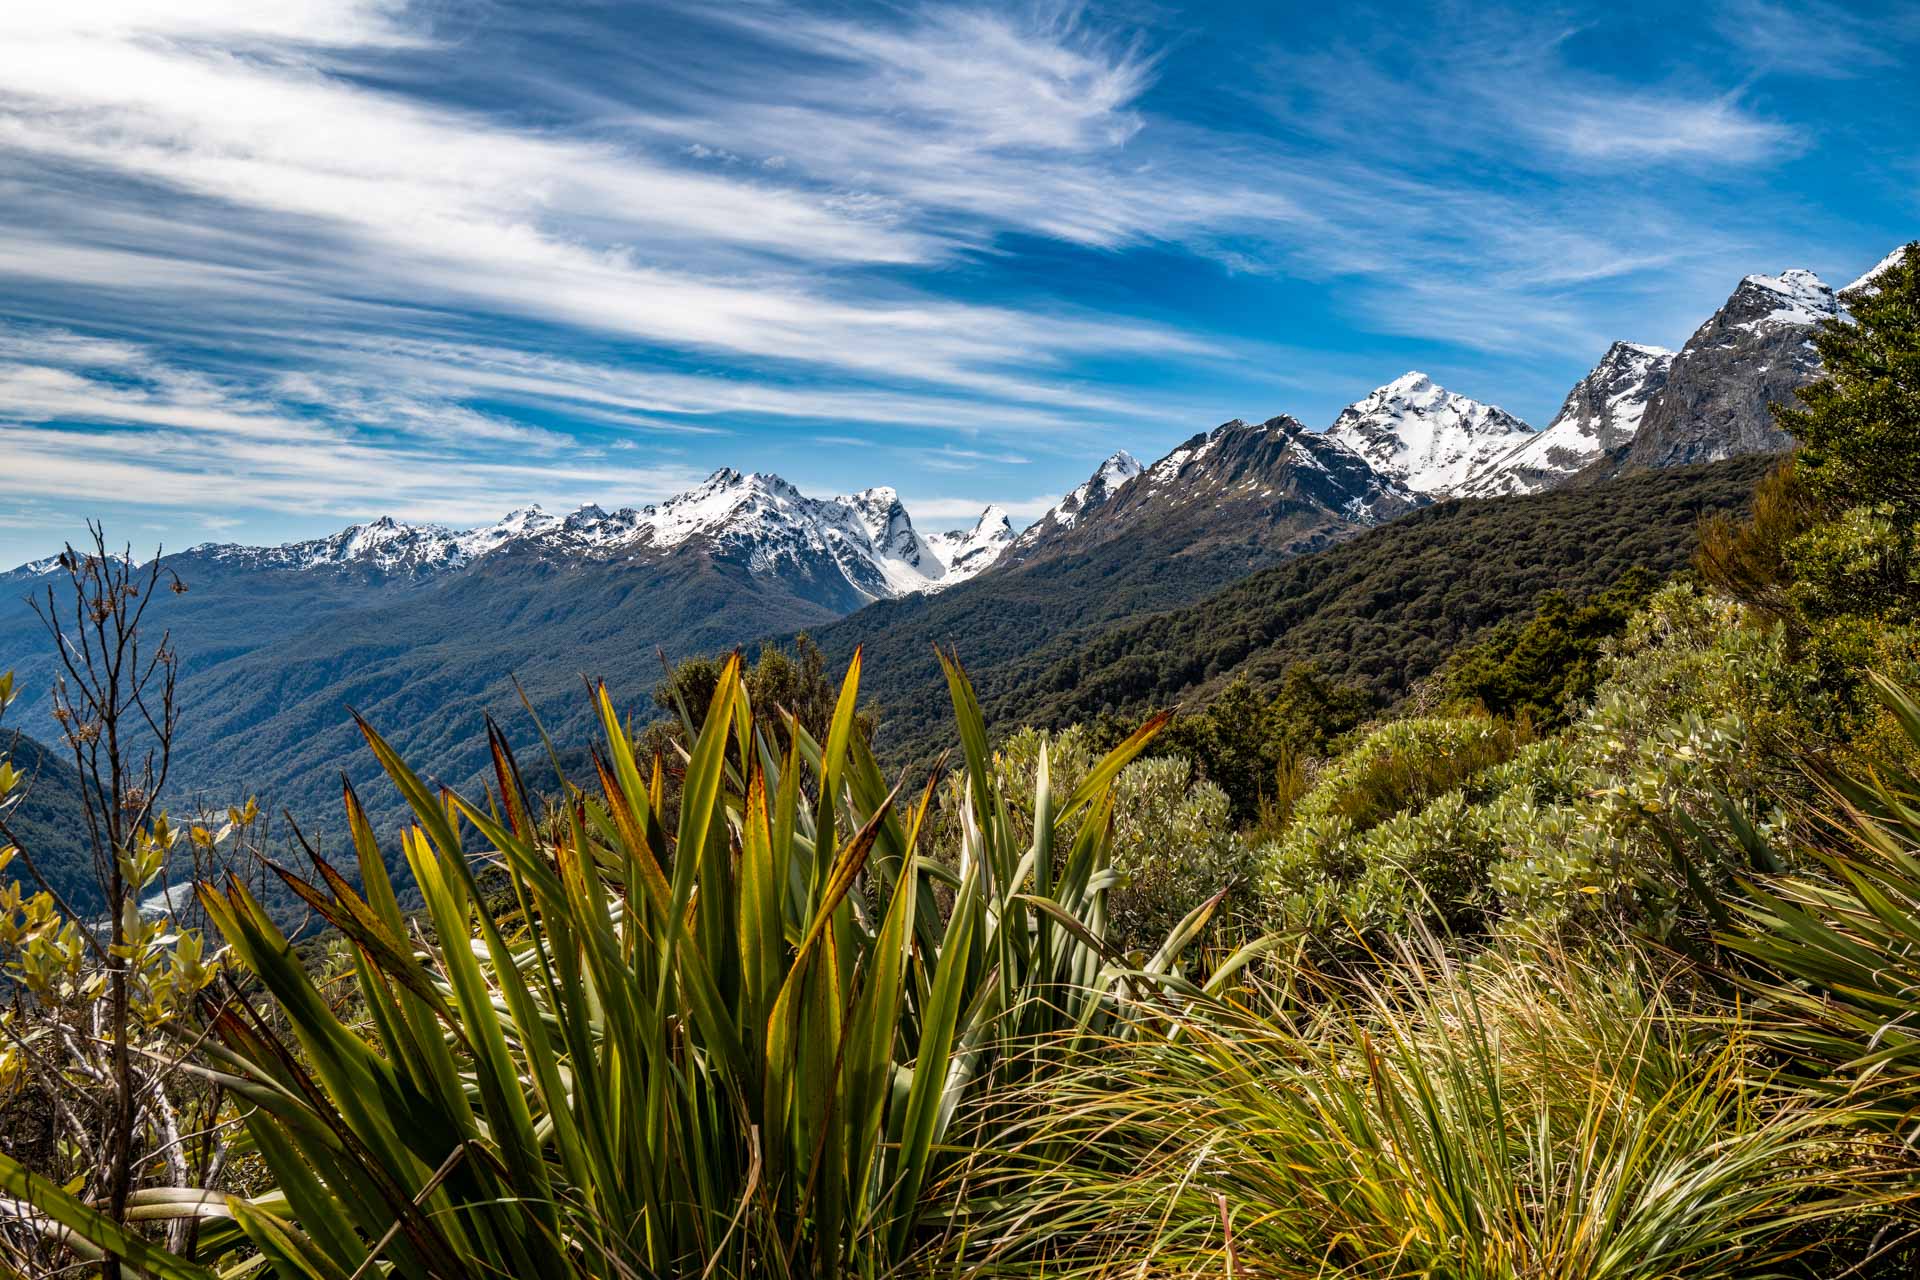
pixel 1277 462
pixel 1602 415
pixel 1753 352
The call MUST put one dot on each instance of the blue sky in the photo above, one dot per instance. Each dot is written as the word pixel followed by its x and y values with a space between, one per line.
pixel 271 268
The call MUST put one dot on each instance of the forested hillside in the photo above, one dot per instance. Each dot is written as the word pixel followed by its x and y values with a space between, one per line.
pixel 46 818
pixel 1381 609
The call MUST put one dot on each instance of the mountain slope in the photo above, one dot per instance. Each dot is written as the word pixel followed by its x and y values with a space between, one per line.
pixel 1749 354
pixel 1224 504
pixel 1602 414
pixel 423 629
pixel 1382 608
pixel 47 817
pixel 1429 438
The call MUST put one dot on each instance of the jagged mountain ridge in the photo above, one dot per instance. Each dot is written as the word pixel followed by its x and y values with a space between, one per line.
pixel 1602 413
pixel 966 552
pixel 1277 461
pixel 1751 353
pixel 867 538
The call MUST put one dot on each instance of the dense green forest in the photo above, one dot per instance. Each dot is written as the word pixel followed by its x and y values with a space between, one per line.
pixel 1380 610
pixel 1591 958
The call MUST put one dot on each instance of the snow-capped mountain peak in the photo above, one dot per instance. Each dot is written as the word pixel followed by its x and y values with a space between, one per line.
pixel 1798 297
pixel 1752 352
pixel 1107 479
pixel 1119 467
pixel 888 526
pixel 515 524
pixel 965 552
pixel 1429 438
pixel 1602 413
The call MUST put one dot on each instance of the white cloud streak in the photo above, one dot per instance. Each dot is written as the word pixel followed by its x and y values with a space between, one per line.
pixel 413 294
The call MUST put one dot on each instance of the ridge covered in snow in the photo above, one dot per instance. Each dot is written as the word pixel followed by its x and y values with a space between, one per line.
pixel 1601 413
pixel 1873 273
pixel 1799 298
pixel 868 538
pixel 966 552
pixel 1429 438
pixel 1107 480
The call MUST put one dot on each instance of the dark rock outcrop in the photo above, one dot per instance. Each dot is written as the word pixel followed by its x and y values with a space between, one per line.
pixel 1753 352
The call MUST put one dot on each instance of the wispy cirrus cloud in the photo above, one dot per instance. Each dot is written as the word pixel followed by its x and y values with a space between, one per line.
pixel 111 423
pixel 444 207
pixel 1610 127
pixel 1815 38
pixel 979 239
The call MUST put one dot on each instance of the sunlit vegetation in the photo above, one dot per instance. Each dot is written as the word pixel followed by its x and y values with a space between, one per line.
pixel 1588 954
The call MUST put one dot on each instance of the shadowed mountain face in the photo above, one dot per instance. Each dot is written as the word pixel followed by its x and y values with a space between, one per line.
pixel 271 659
pixel 1380 607
pixel 1751 354
pixel 1240 482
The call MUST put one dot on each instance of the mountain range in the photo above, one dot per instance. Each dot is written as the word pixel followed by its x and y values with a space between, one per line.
pixel 839 552
pixel 425 629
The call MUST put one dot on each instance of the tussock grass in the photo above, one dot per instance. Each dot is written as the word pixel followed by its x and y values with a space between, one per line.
pixel 1508 1119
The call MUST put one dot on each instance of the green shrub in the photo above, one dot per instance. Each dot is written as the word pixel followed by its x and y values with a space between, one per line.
pixel 1243 737
pixel 1360 847
pixel 1173 842
pixel 1461 824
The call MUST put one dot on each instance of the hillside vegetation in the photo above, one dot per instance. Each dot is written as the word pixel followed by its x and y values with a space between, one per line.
pixel 272 663
pixel 1380 610
pixel 51 821
pixel 1595 962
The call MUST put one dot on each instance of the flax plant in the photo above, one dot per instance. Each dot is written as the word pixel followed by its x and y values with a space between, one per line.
pixel 733 1048
pixel 1836 949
